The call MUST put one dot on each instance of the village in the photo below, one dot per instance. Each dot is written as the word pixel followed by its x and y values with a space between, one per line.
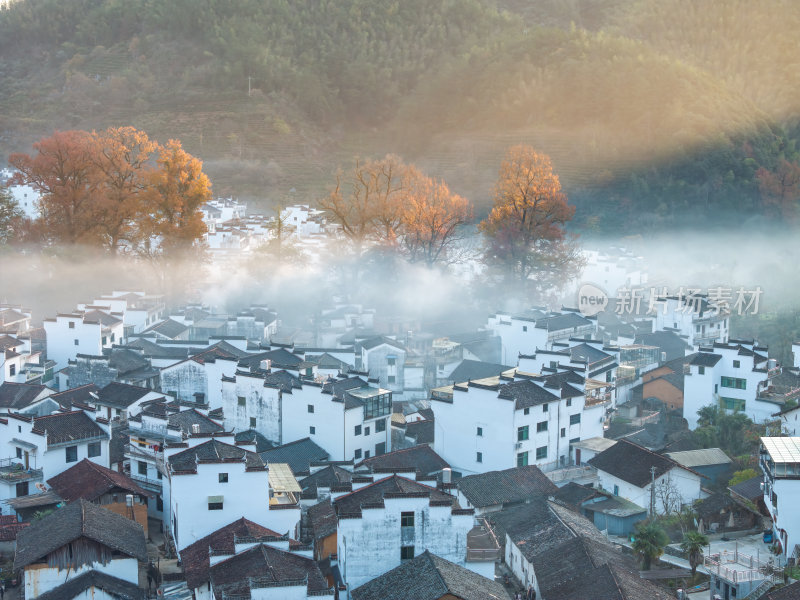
pixel 617 449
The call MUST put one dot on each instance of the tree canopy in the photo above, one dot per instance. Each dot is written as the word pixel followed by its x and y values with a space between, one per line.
pixel 394 205
pixel 117 190
pixel 525 231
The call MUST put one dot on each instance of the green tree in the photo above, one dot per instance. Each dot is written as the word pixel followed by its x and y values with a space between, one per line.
pixel 693 544
pixel 743 475
pixel 649 542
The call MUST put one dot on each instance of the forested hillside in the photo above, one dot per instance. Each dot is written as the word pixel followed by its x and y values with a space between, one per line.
pixel 655 112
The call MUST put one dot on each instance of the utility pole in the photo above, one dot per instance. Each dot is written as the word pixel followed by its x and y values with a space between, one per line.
pixel 652 492
pixel 249 89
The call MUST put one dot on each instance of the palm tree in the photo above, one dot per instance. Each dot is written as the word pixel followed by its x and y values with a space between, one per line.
pixel 649 542
pixel 693 544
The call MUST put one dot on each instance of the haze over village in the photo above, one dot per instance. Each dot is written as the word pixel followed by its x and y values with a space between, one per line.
pixel 480 299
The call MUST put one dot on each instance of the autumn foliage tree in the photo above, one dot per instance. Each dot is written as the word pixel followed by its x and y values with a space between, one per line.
pixel 394 205
pixel 366 201
pixel 431 217
pixel 117 190
pixel 780 189
pixel 525 231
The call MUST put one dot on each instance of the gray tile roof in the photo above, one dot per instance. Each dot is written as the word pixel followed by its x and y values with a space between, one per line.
pixel 705 359
pixel 350 504
pixel 493 488
pixel 113 586
pixel 68 426
pixel 422 458
pixel 429 577
pixel 264 565
pixel 326 477
pixel 77 520
pixel 298 455
pixel 526 393
pixel 169 328
pixel 18 395
pixel 631 463
pixel 475 369
pixel 561 322
pixel 213 451
pixel 121 395
pixel 323 519
pixel 195 557
pixel 750 489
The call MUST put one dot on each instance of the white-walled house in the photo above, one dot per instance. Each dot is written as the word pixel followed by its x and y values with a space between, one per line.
pixel 526 332
pixel 780 463
pixel 150 431
pixel 137 309
pixel 253 401
pixel 81 551
pixel 15 357
pixel 384 359
pixel 200 376
pixel 53 443
pixel 628 470
pixel 198 558
pixel 502 422
pixel 211 483
pixel 395 519
pixel 347 417
pixel 81 333
pixel 118 401
pixel 734 376
pixel 694 318
pixel 561 554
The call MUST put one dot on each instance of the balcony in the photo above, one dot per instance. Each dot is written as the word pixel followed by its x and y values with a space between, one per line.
pixel 15 472
pixel 737 567
pixel 482 545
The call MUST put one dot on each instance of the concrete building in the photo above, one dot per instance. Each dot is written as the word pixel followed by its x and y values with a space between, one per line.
pixel 40 448
pixel 735 376
pixel 392 520
pixel 502 422
pixel 347 417
pixel 212 483
pixel 699 321
pixel 780 463
pixel 81 333
pixel 524 333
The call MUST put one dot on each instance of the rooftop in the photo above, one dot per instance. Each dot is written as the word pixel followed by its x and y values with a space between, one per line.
pixel 429 577
pixel 782 449
pixel 514 485
pixel 78 520
pixel 700 458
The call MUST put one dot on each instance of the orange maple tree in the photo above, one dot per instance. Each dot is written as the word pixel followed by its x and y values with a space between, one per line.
pixel 116 189
pixel 431 217
pixel 524 231
pixel 366 202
